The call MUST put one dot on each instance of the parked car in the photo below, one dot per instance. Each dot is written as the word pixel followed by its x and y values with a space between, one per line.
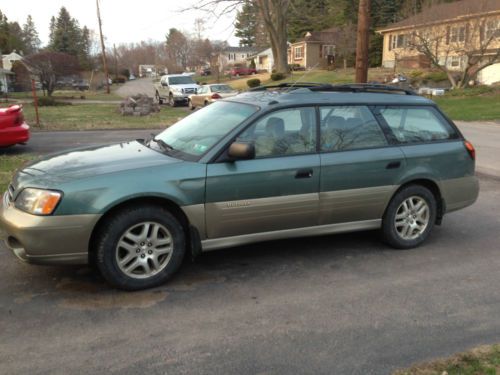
pixel 81 85
pixel 13 127
pixel 296 67
pixel 297 160
pixel 207 94
pixel 131 77
pixel 242 71
pixel 174 88
pixel 205 72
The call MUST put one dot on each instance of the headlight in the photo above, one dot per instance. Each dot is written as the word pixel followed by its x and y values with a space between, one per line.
pixel 38 201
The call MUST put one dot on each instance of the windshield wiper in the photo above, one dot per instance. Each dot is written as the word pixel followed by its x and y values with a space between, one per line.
pixel 164 145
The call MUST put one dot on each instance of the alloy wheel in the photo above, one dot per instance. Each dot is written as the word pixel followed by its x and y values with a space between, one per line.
pixel 412 218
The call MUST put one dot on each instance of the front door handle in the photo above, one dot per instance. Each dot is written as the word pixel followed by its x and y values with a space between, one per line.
pixel 304 173
pixel 393 165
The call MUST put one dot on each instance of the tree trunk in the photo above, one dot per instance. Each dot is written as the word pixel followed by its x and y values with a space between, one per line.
pixel 362 41
pixel 274 14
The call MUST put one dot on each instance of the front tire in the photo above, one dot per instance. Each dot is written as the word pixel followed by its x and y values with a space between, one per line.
pixel 191 106
pixel 409 217
pixel 171 100
pixel 158 98
pixel 140 247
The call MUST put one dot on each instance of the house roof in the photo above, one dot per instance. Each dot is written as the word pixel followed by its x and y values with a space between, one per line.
pixel 323 36
pixel 241 49
pixel 446 12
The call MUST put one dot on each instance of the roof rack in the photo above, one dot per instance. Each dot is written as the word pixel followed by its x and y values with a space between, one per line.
pixel 367 87
pixel 351 87
pixel 294 85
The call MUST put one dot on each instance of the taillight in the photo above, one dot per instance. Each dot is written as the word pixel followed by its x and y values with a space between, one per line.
pixel 19 119
pixel 216 96
pixel 470 149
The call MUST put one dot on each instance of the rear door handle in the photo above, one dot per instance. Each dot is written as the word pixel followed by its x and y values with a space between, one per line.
pixel 304 173
pixel 393 165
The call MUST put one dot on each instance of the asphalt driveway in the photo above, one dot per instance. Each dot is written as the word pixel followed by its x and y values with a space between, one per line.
pixel 342 304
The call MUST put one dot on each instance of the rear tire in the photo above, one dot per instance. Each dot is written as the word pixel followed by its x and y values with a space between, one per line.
pixel 409 217
pixel 140 247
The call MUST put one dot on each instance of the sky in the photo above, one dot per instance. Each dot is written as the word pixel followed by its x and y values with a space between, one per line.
pixel 124 21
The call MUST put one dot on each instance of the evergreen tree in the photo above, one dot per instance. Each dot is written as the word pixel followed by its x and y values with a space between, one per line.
pixel 30 37
pixel 52 28
pixel 246 22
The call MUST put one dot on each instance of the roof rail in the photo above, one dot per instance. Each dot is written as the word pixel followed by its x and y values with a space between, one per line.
pixel 366 87
pixel 294 85
pixel 350 87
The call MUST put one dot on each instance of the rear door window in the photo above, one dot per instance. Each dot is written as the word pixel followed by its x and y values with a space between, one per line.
pixel 349 128
pixel 417 124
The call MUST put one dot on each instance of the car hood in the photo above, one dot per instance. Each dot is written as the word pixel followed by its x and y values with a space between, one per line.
pixel 186 86
pixel 87 162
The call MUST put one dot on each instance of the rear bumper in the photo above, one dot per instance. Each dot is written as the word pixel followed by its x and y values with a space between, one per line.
pixel 46 239
pixel 14 135
pixel 459 192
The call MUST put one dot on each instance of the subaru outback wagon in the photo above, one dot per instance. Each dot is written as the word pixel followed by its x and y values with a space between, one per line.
pixel 277 162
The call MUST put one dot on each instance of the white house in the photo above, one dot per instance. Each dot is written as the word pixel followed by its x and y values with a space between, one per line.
pixel 234 55
pixel 9 59
pixel 4 81
pixel 264 60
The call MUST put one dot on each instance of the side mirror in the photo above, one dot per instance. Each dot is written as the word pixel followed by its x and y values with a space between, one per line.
pixel 241 151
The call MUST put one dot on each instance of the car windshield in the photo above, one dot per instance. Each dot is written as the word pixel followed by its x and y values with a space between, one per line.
pixel 195 134
pixel 221 88
pixel 180 80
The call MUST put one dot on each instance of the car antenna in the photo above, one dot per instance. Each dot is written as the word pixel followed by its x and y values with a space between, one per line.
pixel 302 77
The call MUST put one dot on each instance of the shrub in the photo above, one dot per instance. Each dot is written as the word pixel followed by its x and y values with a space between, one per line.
pixel 435 76
pixel 416 73
pixel 278 76
pixel 49 101
pixel 252 64
pixel 254 82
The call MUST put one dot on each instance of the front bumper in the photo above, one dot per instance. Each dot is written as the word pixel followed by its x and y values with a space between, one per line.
pixel 46 239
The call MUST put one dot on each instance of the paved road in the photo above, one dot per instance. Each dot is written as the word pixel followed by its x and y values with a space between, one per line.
pixel 342 304
pixel 486 139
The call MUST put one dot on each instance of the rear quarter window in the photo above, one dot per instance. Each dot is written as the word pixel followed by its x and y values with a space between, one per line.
pixel 417 124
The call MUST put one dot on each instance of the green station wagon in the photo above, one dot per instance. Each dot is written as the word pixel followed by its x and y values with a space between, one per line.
pixel 273 163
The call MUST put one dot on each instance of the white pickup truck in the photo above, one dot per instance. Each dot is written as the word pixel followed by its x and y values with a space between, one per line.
pixel 175 89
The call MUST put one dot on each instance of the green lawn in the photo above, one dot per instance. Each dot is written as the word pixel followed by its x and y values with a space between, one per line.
pixel 69 94
pixel 480 361
pixel 471 108
pixel 8 164
pixel 99 116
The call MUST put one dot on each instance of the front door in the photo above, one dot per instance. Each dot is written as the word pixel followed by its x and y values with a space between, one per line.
pixel 359 170
pixel 278 189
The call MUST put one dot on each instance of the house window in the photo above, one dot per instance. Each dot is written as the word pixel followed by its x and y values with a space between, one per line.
pixel 455 62
pixel 492 29
pixel 457 34
pixel 401 41
pixel 328 50
pixel 298 53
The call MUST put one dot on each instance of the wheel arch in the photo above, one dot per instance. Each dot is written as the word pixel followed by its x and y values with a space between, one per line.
pixel 192 237
pixel 430 184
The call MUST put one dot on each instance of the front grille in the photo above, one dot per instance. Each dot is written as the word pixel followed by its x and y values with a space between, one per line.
pixel 189 91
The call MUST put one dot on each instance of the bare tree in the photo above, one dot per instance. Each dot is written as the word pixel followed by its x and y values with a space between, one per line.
pixel 461 50
pixel 275 16
pixel 50 66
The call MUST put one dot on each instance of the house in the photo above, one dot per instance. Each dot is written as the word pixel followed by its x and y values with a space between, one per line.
pixel 457 29
pixel 9 59
pixel 315 49
pixel 234 55
pixel 264 60
pixel 5 78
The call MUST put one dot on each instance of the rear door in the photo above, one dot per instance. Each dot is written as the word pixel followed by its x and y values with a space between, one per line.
pixel 275 191
pixel 359 169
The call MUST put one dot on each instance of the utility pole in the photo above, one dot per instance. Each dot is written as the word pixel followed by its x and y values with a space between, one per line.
pixel 116 60
pixel 104 61
pixel 362 41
